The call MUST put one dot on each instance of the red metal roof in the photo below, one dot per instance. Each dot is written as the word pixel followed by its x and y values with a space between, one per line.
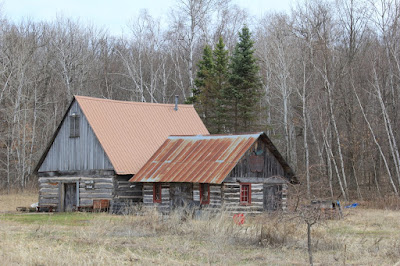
pixel 197 159
pixel 130 132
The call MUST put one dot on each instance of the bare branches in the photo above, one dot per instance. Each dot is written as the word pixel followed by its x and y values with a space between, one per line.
pixel 330 70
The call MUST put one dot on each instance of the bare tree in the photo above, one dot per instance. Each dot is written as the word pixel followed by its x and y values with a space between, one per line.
pixel 190 23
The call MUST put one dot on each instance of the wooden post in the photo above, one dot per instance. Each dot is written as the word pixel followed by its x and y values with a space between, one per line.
pixel 60 197
pixel 77 195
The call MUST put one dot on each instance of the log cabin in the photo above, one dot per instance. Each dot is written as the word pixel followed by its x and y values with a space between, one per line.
pixel 100 144
pixel 240 173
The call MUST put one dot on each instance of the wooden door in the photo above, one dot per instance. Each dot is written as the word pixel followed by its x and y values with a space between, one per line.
pixel 272 197
pixel 69 197
pixel 181 195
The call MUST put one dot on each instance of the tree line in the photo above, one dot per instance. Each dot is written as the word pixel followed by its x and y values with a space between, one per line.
pixel 325 89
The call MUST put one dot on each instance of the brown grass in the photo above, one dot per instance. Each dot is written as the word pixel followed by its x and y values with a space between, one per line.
pixel 363 237
pixel 389 202
pixel 9 202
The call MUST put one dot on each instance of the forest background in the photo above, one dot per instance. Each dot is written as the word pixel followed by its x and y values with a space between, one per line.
pixel 328 83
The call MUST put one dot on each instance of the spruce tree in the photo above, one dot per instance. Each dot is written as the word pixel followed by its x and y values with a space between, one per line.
pixel 221 60
pixel 204 93
pixel 244 93
pixel 212 79
pixel 203 76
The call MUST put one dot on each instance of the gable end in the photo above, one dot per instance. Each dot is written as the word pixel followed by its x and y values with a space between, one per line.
pixel 262 160
pixel 79 151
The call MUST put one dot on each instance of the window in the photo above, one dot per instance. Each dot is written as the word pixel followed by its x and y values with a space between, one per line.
pixel 204 193
pixel 245 194
pixel 74 125
pixel 157 193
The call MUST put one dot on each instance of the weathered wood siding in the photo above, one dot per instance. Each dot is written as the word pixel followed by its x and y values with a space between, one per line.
pixel 215 196
pixel 231 198
pixel 126 190
pixel 284 197
pixel 80 153
pixel 50 190
pixel 246 173
pixel 181 195
pixel 271 166
pixel 127 195
pixel 225 196
pixel 165 205
pixel 196 193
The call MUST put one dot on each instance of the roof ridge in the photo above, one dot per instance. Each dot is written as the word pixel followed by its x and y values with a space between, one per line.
pixel 132 102
pixel 218 135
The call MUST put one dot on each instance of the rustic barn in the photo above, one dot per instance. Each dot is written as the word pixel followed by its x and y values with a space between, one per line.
pixel 100 144
pixel 243 173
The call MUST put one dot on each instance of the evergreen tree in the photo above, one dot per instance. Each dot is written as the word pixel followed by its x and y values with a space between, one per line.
pixel 204 75
pixel 211 81
pixel 204 93
pixel 244 93
pixel 221 60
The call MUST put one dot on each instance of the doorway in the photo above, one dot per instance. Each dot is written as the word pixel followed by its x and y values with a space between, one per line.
pixel 272 197
pixel 70 197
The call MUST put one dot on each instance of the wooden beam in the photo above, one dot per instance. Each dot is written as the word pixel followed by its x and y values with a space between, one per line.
pixel 260 180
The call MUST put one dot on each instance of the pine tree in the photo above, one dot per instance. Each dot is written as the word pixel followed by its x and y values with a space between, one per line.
pixel 204 93
pixel 244 93
pixel 203 76
pixel 212 79
pixel 221 60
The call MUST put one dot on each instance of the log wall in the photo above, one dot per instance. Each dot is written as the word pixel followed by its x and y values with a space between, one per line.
pixel 231 198
pixel 127 190
pixel 225 196
pixel 126 195
pixel 284 196
pixel 163 207
pixel 215 196
pixel 264 171
pixel 196 193
pixel 90 188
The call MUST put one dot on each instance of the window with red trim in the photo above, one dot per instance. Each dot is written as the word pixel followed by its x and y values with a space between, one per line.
pixel 204 193
pixel 157 192
pixel 245 194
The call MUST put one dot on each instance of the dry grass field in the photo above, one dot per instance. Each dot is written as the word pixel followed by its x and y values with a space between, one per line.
pixel 9 202
pixel 362 237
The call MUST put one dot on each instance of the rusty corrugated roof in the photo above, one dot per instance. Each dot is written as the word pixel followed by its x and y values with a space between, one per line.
pixel 130 132
pixel 197 159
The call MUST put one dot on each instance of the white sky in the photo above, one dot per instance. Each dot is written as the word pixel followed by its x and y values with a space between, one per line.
pixel 114 14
